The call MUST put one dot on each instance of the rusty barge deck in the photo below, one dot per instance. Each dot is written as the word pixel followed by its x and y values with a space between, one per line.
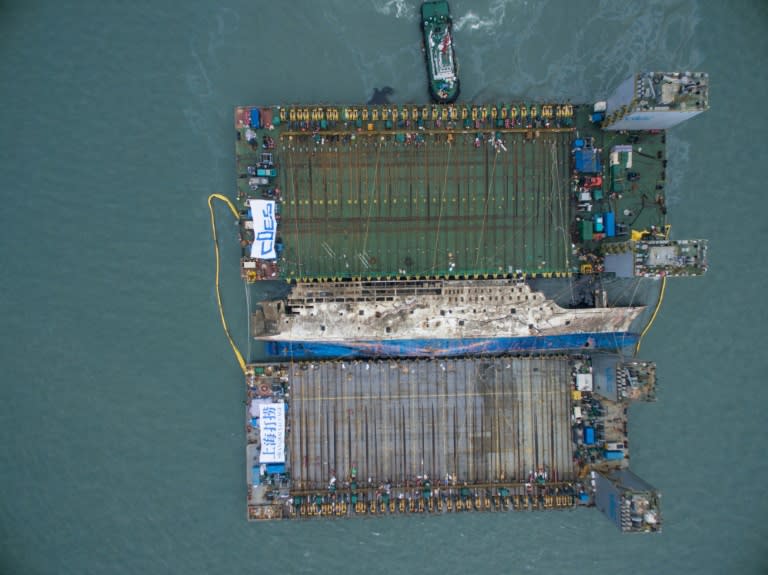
pixel 437 436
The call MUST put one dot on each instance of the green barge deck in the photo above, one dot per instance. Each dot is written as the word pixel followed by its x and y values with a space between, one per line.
pixel 438 191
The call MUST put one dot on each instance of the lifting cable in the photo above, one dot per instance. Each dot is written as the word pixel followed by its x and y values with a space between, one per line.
pixel 233 209
pixel 442 200
pixel 491 184
pixel 370 204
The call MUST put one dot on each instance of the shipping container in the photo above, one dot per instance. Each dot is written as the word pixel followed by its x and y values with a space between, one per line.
pixel 255 118
pixel 266 172
pixel 587 161
pixel 273 468
pixel 589 435
pixel 599 223
pixel 614 455
pixel 577 413
pixel 266 117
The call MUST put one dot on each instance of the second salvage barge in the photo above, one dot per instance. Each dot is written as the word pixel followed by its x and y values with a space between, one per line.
pixel 342 439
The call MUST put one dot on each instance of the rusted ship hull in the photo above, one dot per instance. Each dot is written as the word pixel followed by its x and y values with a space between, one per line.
pixel 437 318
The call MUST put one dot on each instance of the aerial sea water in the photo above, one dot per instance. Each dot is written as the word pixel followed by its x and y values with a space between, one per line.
pixel 120 403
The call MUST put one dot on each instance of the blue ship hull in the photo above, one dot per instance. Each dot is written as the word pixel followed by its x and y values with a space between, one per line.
pixel 298 350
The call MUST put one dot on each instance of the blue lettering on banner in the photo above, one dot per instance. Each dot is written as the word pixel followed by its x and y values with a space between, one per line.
pixel 267 235
pixel 272 433
pixel 264 229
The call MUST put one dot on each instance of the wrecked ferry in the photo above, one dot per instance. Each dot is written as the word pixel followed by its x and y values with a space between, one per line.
pixel 432 318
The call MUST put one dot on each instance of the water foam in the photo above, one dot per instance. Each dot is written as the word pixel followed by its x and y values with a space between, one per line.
pixel 497 10
pixel 396 8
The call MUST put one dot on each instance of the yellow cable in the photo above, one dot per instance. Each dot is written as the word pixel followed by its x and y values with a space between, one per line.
pixel 658 303
pixel 655 313
pixel 227 201
pixel 233 209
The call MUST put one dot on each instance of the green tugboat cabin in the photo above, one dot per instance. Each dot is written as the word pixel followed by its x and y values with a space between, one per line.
pixel 436 26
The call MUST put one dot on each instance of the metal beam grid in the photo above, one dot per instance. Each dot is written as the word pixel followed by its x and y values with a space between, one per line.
pixel 372 206
pixel 476 420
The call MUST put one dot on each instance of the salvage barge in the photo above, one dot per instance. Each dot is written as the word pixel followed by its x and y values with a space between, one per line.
pixel 338 439
pixel 425 251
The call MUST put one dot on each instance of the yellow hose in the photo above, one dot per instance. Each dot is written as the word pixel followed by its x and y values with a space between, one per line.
pixel 653 317
pixel 233 209
pixel 668 228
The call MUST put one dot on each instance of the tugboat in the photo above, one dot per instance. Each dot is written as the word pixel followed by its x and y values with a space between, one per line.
pixel 436 25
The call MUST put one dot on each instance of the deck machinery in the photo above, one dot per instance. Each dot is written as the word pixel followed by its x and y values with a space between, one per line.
pixel 401 232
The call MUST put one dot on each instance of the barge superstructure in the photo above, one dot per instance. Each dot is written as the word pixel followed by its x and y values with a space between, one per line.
pixel 418 364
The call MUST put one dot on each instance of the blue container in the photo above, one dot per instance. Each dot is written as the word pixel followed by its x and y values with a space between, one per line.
pixel 613 455
pixel 597 117
pixel 273 468
pixel 599 224
pixel 589 436
pixel 266 172
pixel 587 161
pixel 610 224
pixel 255 474
pixel 578 144
pixel 255 118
